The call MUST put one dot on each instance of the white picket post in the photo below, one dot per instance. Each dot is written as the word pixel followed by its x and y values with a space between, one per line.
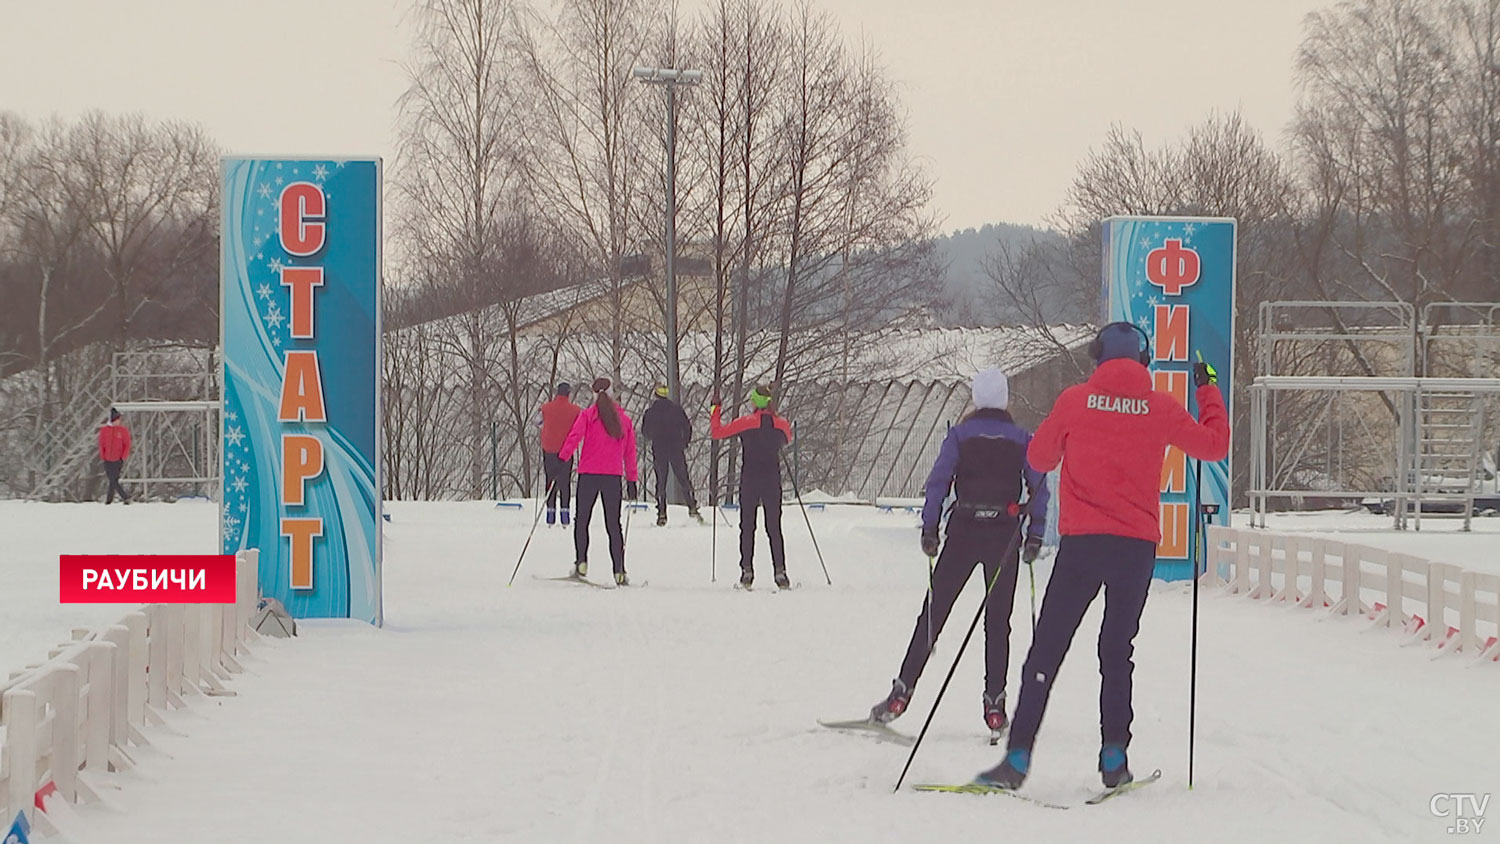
pixel 1351 582
pixel 192 649
pixel 248 592
pixel 1438 575
pixel 1468 637
pixel 135 679
pixel 228 614
pixel 1263 565
pixel 118 635
pixel 62 683
pixel 158 684
pixel 1218 555
pixel 172 629
pixel 1317 570
pixel 20 720
pixel 1291 589
pixel 100 704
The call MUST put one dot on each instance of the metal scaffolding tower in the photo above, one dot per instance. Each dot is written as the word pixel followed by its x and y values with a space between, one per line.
pixel 171 398
pixel 1417 443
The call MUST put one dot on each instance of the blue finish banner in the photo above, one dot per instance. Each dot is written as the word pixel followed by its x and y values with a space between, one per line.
pixel 300 305
pixel 1174 277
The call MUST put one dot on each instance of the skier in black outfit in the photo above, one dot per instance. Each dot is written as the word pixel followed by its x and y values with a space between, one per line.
pixel 983 460
pixel 667 427
pixel 762 435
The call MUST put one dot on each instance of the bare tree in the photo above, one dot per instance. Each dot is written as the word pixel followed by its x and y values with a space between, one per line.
pixel 151 191
pixel 1377 114
pixel 588 132
pixel 459 169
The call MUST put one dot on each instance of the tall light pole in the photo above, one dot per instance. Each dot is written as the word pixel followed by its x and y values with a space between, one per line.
pixel 670 78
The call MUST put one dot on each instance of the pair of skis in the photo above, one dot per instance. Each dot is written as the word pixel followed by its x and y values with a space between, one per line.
pixel 743 588
pixel 1099 797
pixel 573 578
pixel 884 732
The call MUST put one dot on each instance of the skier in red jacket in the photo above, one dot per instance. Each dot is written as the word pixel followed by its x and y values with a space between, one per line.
pixel 1111 435
pixel 762 435
pixel 114 447
pixel 555 419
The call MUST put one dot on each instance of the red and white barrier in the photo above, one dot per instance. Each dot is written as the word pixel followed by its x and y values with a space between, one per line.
pixel 74 718
pixel 1435 603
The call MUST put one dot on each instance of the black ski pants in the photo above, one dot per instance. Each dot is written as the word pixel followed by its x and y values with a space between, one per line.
pixel 993 546
pixel 1122 566
pixel 761 490
pixel 671 459
pixel 592 488
pixel 559 477
pixel 112 470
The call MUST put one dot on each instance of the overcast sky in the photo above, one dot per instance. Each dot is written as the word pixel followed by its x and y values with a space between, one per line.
pixel 1004 96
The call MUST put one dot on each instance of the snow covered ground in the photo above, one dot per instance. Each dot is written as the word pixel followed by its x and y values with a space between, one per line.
pixel 685 711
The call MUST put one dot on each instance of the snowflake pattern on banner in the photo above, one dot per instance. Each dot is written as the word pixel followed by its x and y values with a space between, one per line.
pixel 258 319
pixel 272 306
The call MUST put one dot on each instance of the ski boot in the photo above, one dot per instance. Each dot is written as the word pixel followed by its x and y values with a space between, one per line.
pixel 693 511
pixel 782 581
pixel 747 576
pixel 621 579
pixel 551 516
pixel 1114 767
pixel 565 518
pixel 581 569
pixel 894 704
pixel 994 716
pixel 1009 774
pixel 661 518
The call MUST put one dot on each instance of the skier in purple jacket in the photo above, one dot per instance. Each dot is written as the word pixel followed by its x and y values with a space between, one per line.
pixel 983 460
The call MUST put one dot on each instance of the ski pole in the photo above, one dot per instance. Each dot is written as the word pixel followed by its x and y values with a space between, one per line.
pixel 1198 571
pixel 629 509
pixel 810 533
pixel 1031 571
pixel 534 523
pixel 931 566
pixel 1199 555
pixel 713 551
pixel 1010 548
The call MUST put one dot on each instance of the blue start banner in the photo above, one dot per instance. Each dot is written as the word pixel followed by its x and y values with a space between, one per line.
pixel 300 304
pixel 1174 277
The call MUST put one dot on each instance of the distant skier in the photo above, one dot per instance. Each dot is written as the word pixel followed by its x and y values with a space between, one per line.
pixel 667 427
pixel 556 419
pixel 983 460
pixel 1110 434
pixel 114 447
pixel 607 439
pixel 762 435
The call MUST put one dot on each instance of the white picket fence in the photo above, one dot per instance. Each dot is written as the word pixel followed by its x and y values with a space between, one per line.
pixel 75 718
pixel 1439 604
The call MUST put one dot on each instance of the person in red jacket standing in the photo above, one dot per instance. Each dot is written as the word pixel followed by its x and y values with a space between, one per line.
pixel 114 447
pixel 762 435
pixel 556 419
pixel 1110 434
pixel 606 438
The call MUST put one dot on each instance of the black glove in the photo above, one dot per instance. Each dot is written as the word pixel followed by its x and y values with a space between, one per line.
pixel 1031 550
pixel 632 490
pixel 930 541
pixel 1205 374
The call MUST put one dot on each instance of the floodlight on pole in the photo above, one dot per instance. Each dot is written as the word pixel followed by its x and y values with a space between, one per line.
pixel 670 78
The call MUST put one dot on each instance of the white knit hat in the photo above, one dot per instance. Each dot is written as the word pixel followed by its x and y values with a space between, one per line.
pixel 991 390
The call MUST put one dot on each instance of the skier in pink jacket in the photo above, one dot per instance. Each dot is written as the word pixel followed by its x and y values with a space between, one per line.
pixel 606 438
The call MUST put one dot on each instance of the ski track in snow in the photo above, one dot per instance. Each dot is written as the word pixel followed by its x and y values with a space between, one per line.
pixel 483 713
